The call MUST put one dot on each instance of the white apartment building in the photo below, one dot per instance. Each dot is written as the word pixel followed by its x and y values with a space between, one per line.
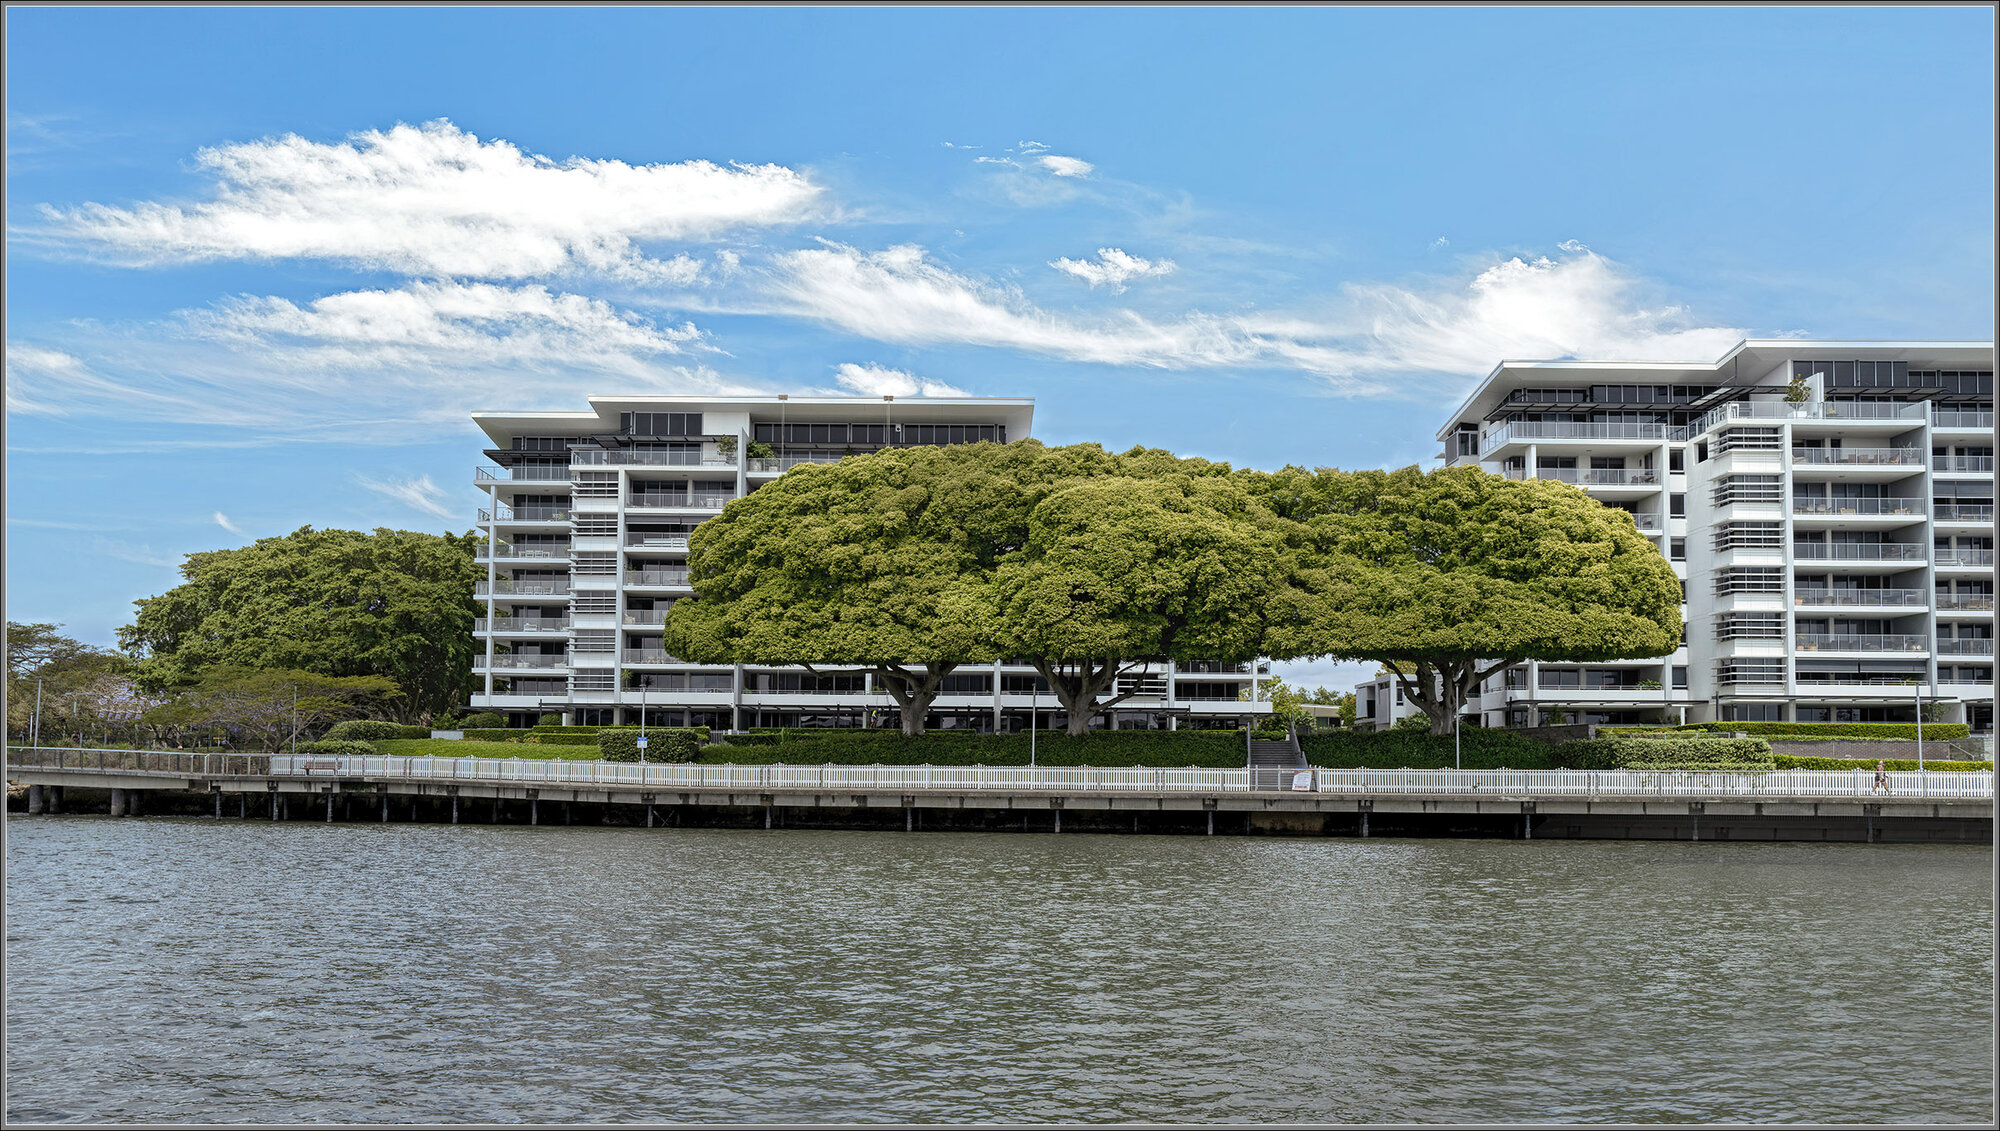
pixel 1836 551
pixel 587 525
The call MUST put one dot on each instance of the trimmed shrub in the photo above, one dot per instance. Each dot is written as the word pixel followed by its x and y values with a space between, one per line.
pixel 1669 752
pixel 1940 731
pixel 338 748
pixel 1418 749
pixel 538 739
pixel 495 734
pixel 371 730
pixel 1794 762
pixel 663 744
pixel 549 720
pixel 888 747
pixel 483 720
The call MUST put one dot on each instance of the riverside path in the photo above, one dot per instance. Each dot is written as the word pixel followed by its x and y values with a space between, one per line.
pixel 1778 805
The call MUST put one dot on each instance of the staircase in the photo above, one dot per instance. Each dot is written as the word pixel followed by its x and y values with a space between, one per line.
pixel 1272 764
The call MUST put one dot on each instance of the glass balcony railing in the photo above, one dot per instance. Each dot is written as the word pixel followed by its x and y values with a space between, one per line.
pixel 1965 602
pixel 1860 457
pixel 524 514
pixel 498 663
pixel 1964 465
pixel 767 465
pixel 1981 421
pixel 707 457
pixel 1884 642
pixel 1964 512
pixel 1965 557
pixel 1877 597
pixel 656 541
pixel 1965 647
pixel 501 552
pixel 642 617
pixel 1593 476
pixel 684 500
pixel 1860 551
pixel 536 472
pixel 1882 507
pixel 656 577
pixel 520 624
pixel 522 588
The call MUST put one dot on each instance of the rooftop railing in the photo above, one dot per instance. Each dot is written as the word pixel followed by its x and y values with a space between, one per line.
pixel 1913 411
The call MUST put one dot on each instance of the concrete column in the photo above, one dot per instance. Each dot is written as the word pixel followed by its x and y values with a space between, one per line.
pixel 274 806
pixel 566 813
pixel 218 805
pixel 1364 822
pixel 118 803
pixel 242 805
pixel 329 808
pixel 135 802
pixel 38 800
pixel 767 814
pixel 534 810
pixel 1058 827
pixel 908 823
pixel 649 814
pixel 385 808
pixel 55 796
pixel 1211 822
pixel 454 808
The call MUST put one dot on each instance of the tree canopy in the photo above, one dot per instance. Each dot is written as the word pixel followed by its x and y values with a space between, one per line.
pixel 1451 576
pixel 394 603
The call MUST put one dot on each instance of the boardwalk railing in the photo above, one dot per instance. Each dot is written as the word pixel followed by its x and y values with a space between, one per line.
pixel 1525 784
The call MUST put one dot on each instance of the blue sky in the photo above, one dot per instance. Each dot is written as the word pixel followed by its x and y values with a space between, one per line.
pixel 262 263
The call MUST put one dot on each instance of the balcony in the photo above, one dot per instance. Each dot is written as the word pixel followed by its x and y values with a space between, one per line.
pixel 1976 558
pixel 520 663
pixel 1914 412
pixel 657 541
pixel 1860 551
pixel 772 465
pixel 1593 476
pixel 520 624
pixel 1964 512
pixel 656 577
pixel 644 617
pixel 1523 431
pixel 539 473
pixel 502 552
pixel 1965 465
pixel 650 656
pixel 1965 602
pixel 1965 647
pixel 522 588
pixel 1848 597
pixel 1888 642
pixel 707 457
pixel 1861 507
pixel 1977 421
pixel 681 500
pixel 1860 457
pixel 524 514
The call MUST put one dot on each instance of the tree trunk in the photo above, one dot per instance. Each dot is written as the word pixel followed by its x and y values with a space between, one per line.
pixel 1441 688
pixel 914 691
pixel 1078 683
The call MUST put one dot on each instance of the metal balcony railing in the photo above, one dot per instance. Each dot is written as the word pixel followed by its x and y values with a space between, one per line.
pixel 520 662
pixel 1592 476
pixel 1521 430
pixel 501 552
pixel 1861 551
pixel 1965 464
pixel 1965 601
pixel 1858 506
pixel 524 514
pixel 1965 557
pixel 650 656
pixel 1898 597
pixel 1861 457
pixel 657 541
pixel 1965 647
pixel 1983 421
pixel 1809 410
pixel 1885 642
pixel 645 616
pixel 766 465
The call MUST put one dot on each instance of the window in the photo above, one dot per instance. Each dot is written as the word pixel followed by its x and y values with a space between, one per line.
pixel 1677 549
pixel 1677 460
pixel 1677 505
pixel 1680 677
pixel 660 423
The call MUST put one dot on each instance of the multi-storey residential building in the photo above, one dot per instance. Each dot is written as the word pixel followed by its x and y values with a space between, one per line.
pixel 1828 505
pixel 587 529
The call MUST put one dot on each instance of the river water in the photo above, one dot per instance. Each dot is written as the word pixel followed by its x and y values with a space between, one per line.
pixel 168 969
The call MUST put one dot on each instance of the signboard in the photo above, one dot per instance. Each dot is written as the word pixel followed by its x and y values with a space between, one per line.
pixel 642 742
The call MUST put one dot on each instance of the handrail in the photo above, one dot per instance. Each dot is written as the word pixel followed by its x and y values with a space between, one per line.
pixel 1507 784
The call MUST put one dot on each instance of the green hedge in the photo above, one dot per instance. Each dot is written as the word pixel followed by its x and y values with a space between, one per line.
pixel 663 744
pixel 483 720
pixel 1217 749
pixel 370 730
pixel 540 739
pixel 472 748
pixel 1794 762
pixel 339 748
pixel 1403 748
pixel 1940 731
pixel 495 734
pixel 1669 752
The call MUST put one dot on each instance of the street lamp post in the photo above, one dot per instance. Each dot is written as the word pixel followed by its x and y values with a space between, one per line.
pixel 1918 690
pixel 1034 716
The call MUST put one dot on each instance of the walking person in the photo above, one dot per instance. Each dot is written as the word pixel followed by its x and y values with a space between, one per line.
pixel 1881 778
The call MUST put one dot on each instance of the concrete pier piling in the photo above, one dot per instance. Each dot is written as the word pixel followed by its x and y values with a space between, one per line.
pixel 118 803
pixel 38 799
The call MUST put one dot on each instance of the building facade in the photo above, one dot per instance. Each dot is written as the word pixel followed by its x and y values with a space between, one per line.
pixel 586 525
pixel 1828 506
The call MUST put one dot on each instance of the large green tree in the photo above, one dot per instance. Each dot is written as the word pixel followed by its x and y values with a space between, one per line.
pixel 883 561
pixel 265 709
pixel 1169 560
pixel 393 603
pixel 1449 577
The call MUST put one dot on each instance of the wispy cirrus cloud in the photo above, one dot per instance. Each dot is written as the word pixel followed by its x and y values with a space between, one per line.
pixel 1113 268
pixel 222 520
pixel 1062 166
pixel 433 200
pixel 880 380
pixel 137 553
pixel 418 493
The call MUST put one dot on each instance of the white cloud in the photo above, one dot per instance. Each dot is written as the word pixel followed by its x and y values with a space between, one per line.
pixel 417 494
pixel 131 552
pixel 878 380
pixel 1065 166
pixel 434 200
pixel 222 520
pixel 1113 268
pixel 1440 243
pixel 1572 246
pixel 1379 339
pixel 399 362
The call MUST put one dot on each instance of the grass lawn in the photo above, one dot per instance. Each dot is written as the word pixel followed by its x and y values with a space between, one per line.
pixel 467 748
